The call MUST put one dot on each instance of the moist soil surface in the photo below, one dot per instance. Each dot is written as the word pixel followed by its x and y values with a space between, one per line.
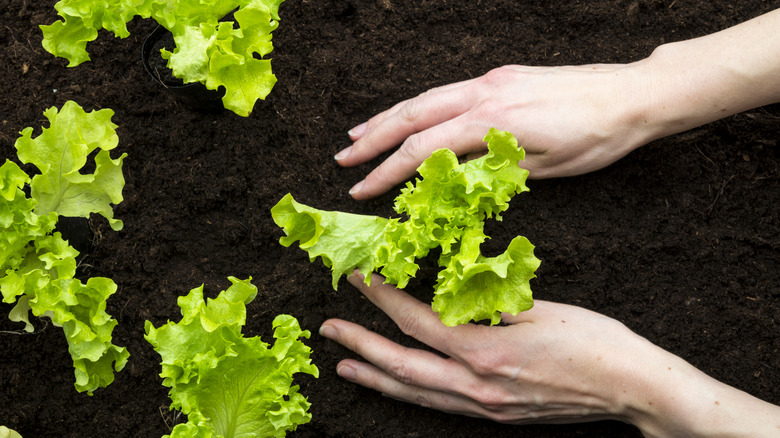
pixel 679 240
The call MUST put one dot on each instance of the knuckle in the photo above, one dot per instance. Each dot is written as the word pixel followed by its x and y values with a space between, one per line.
pixel 488 109
pixel 401 371
pixel 409 321
pixel 495 77
pixel 481 367
pixel 423 398
pixel 489 399
pixel 429 92
pixel 410 111
pixel 412 148
pixel 482 363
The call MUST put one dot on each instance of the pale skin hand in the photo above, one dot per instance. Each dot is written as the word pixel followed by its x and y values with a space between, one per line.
pixel 567 118
pixel 553 364
pixel 573 120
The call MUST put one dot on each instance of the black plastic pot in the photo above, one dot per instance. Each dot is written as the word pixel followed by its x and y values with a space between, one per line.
pixel 194 95
pixel 77 232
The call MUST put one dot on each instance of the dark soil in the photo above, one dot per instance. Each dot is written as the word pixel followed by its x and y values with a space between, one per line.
pixel 679 240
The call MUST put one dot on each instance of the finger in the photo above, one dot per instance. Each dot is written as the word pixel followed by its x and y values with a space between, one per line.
pixel 462 135
pixel 359 131
pixel 390 128
pixel 414 318
pixel 511 411
pixel 406 365
pixel 372 377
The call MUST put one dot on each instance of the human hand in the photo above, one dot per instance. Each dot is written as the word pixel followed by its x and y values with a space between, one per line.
pixel 570 120
pixel 552 364
pixel 573 120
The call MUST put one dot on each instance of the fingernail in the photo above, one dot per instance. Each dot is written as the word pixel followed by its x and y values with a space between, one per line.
pixel 357 187
pixel 358 130
pixel 328 331
pixel 346 372
pixel 343 154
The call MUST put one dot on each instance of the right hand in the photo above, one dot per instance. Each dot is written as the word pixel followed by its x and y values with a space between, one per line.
pixel 555 363
pixel 570 120
pixel 573 120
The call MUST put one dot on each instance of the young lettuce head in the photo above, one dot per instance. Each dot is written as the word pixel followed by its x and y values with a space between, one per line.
pixel 445 208
pixel 37 266
pixel 229 385
pixel 213 52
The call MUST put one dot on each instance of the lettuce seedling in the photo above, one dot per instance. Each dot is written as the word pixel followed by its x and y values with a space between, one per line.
pixel 215 53
pixel 37 267
pixel 226 384
pixel 446 208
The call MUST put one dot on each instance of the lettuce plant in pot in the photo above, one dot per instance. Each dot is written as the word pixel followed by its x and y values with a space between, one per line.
pixel 227 54
pixel 37 263
pixel 76 230
pixel 195 94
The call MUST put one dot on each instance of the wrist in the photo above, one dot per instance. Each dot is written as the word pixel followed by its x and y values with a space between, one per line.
pixel 671 398
pixel 681 93
pixel 689 83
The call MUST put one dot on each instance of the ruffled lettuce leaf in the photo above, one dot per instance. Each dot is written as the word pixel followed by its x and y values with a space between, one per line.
pixel 20 225
pixel 80 309
pixel 446 207
pixel 343 241
pixel 38 278
pixel 61 151
pixel 37 266
pixel 474 287
pixel 229 385
pixel 216 53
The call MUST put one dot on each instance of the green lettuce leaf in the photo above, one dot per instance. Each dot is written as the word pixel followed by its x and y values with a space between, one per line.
pixel 61 151
pixel 344 241
pixel 444 208
pixel 39 279
pixel 37 266
pixel 8 433
pixel 80 309
pixel 20 226
pixel 216 53
pixel 474 287
pixel 229 385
